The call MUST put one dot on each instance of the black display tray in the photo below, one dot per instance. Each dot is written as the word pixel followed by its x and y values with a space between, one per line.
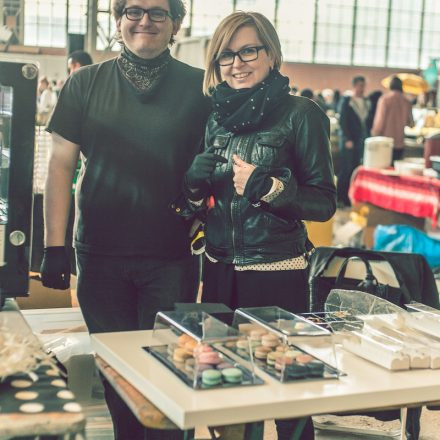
pixel 160 352
pixel 328 373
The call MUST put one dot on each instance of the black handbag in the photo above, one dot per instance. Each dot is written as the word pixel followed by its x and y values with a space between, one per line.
pixel 320 286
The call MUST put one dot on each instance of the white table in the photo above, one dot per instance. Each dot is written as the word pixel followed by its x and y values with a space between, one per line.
pixel 366 386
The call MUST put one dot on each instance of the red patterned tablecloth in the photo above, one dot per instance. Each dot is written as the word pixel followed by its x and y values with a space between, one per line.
pixel 414 195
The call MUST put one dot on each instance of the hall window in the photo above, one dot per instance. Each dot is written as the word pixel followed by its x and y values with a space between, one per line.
pixel 45 23
pixel 265 7
pixel 77 17
pixel 207 15
pixel 431 33
pixel 334 31
pixel 371 33
pixel 295 20
pixel 405 25
pixel 106 27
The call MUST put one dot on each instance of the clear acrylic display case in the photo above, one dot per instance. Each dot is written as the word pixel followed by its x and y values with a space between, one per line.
pixel 284 345
pixel 423 318
pixel 194 346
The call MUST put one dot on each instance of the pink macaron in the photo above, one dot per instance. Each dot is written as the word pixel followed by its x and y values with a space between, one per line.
pixel 209 357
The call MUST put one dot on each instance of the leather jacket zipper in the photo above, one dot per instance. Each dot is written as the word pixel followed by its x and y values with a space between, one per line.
pixel 234 208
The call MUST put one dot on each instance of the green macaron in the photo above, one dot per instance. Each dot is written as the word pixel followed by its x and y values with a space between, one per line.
pixel 211 377
pixel 232 375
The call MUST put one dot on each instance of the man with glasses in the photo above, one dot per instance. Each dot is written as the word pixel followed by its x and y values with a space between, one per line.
pixel 137 121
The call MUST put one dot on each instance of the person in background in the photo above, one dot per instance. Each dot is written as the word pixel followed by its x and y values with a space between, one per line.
pixel 353 114
pixel 77 59
pixel 308 93
pixel 374 98
pixel 394 112
pixel 267 166
pixel 327 95
pixel 137 130
pixel 46 100
pixel 336 99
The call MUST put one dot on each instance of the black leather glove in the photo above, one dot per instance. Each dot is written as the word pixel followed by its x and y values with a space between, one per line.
pixel 55 268
pixel 202 167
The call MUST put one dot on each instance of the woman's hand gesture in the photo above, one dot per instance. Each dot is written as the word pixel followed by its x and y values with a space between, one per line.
pixel 242 171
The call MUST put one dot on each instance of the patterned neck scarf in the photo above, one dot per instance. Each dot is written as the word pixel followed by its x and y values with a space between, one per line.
pixel 241 110
pixel 143 75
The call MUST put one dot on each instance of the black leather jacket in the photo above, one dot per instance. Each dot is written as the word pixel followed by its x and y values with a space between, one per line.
pixel 295 137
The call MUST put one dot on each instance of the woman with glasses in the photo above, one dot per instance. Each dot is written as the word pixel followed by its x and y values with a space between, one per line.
pixel 266 167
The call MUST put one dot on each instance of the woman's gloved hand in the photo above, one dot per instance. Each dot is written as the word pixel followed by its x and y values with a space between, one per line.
pixel 55 268
pixel 202 167
pixel 251 181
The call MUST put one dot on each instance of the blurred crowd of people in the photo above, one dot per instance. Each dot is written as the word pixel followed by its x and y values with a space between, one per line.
pixel 360 116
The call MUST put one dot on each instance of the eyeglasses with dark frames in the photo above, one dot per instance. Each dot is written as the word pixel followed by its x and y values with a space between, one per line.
pixel 246 54
pixel 157 15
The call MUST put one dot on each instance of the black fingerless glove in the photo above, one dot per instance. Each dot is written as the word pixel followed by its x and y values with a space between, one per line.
pixel 258 185
pixel 201 169
pixel 55 268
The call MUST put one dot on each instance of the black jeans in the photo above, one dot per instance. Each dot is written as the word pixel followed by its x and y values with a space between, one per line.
pixel 350 159
pixel 123 294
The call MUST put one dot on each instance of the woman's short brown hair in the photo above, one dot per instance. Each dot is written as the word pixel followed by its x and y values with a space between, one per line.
pixel 177 11
pixel 223 35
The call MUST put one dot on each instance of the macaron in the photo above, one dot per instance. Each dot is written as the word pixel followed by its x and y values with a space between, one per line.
pixel 211 377
pixel 246 327
pixel 282 361
pixel 183 339
pixel 256 334
pixel 209 357
pixel 315 368
pixel 190 365
pixel 282 348
pixel 200 368
pixel 190 346
pixel 224 365
pixel 272 357
pixel 242 344
pixel 180 354
pixel 269 340
pixel 232 375
pixel 295 371
pixel 304 358
pixel 293 353
pixel 201 348
pixel 261 352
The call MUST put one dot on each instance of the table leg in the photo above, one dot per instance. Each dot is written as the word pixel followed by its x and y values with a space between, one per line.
pixel 403 416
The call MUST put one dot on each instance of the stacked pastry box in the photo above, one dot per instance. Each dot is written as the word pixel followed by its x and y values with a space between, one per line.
pixel 190 346
pixel 283 345
pixel 401 340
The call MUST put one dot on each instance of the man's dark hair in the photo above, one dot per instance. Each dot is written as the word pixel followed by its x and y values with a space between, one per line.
pixel 177 11
pixel 357 79
pixel 81 57
pixel 396 84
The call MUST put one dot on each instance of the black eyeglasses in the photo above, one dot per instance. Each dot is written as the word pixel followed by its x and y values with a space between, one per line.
pixel 246 54
pixel 157 15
